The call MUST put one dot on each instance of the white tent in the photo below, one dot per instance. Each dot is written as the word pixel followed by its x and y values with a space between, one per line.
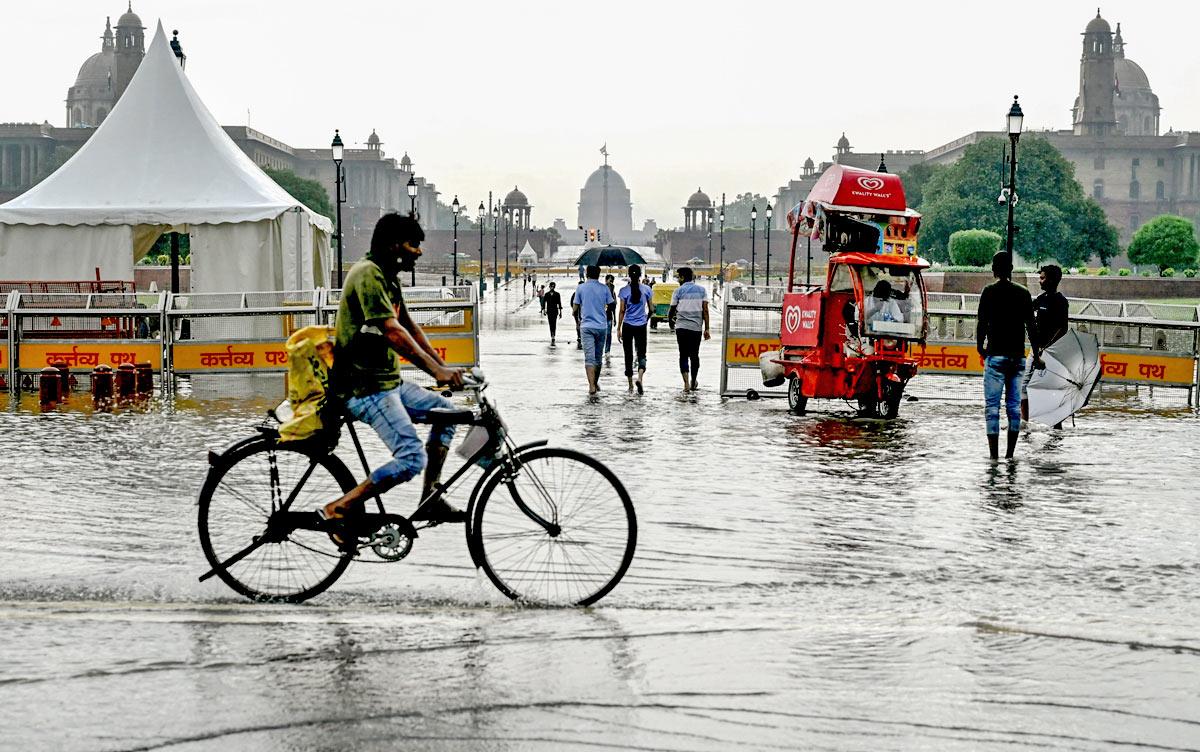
pixel 161 163
pixel 527 254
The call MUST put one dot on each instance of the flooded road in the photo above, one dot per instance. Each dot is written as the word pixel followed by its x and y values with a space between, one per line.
pixel 800 583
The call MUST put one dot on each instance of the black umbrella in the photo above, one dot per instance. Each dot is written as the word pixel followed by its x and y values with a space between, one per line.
pixel 609 255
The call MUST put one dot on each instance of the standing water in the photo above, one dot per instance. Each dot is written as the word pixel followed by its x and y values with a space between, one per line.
pixel 800 582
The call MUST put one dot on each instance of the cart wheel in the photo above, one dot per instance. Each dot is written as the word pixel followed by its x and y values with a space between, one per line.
pixel 751 394
pixel 796 401
pixel 889 407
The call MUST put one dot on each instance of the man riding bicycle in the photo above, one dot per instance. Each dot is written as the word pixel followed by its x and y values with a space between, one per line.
pixel 373 328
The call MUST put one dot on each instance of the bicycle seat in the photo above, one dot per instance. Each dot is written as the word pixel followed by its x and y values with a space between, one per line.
pixel 449 416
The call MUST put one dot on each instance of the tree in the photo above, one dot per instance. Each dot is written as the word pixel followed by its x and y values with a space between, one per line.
pixel 57 159
pixel 915 178
pixel 308 192
pixel 737 212
pixel 974 247
pixel 1165 241
pixel 1043 234
pixel 963 196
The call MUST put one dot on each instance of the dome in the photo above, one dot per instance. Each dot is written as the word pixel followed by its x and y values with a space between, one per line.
pixel 699 200
pixel 595 181
pixel 129 18
pixel 843 142
pixel 808 164
pixel 1098 25
pixel 95 70
pixel 516 198
pixel 405 162
pixel 373 139
pixel 1130 75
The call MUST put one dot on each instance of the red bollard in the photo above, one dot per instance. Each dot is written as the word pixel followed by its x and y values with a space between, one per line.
pixel 49 382
pixel 64 389
pixel 102 385
pixel 125 381
pixel 145 379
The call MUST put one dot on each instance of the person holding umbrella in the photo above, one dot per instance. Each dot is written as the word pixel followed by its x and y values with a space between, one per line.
pixel 634 316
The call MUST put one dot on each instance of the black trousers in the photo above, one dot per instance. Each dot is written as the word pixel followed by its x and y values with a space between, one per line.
pixel 552 318
pixel 689 351
pixel 631 337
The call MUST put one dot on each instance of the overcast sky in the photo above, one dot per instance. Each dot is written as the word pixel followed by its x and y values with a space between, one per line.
pixel 488 95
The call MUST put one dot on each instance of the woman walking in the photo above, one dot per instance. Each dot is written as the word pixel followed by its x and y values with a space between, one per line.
pixel 634 315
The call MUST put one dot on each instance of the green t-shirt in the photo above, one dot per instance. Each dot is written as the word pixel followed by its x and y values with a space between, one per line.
pixel 365 363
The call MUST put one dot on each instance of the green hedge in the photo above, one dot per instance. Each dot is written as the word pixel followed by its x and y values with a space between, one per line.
pixel 973 247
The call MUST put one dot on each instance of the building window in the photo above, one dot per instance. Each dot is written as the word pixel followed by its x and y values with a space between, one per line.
pixel 1160 190
pixel 1137 162
pixel 1098 162
pixel 1098 188
pixel 1134 222
pixel 1161 162
pixel 1135 189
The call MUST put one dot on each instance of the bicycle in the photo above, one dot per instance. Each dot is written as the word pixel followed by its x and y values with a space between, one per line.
pixel 565 533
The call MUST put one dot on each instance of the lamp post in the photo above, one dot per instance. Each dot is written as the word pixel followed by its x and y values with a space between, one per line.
pixel 721 262
pixel 495 241
pixel 507 221
pixel 482 224
pixel 455 208
pixel 710 237
pixel 753 233
pixel 767 232
pixel 516 240
pixel 339 187
pixel 412 212
pixel 1015 119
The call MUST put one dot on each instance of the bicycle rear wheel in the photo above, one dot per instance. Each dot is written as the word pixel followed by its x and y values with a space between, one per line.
pixel 236 501
pixel 585 547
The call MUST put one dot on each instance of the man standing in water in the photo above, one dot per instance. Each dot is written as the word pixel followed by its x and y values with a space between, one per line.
pixel 592 299
pixel 373 327
pixel 552 305
pixel 1005 315
pixel 1050 314
pixel 689 316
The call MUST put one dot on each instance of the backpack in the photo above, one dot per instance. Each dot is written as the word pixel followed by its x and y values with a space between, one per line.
pixel 310 360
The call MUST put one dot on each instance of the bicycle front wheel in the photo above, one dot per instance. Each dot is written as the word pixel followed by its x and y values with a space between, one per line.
pixel 238 498
pixel 562 530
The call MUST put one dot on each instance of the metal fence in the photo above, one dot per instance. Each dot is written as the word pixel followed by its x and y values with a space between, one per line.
pixel 184 335
pixel 1142 344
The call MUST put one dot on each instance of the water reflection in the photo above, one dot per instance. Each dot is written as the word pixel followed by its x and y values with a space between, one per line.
pixel 801 581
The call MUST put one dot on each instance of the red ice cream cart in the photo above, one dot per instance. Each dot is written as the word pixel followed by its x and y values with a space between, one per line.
pixel 851 339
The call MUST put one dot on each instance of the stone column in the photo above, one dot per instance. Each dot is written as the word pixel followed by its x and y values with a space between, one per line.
pixel 3 166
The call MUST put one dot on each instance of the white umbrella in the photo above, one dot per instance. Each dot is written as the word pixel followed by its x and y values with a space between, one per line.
pixel 1072 370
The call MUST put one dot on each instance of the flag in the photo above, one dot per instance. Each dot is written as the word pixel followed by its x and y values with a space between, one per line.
pixel 604 149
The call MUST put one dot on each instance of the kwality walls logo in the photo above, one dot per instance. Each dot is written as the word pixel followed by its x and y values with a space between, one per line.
pixel 871 186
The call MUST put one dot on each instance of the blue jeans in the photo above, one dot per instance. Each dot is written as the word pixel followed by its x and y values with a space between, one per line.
pixel 593 345
pixel 1002 375
pixel 391 414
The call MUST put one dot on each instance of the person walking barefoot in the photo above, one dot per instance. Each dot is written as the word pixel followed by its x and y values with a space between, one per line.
pixel 591 299
pixel 634 314
pixel 689 317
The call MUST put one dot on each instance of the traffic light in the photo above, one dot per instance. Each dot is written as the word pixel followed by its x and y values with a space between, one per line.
pixel 592 235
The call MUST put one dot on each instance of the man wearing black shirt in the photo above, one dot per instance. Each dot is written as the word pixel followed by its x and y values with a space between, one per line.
pixel 1005 315
pixel 552 303
pixel 1050 313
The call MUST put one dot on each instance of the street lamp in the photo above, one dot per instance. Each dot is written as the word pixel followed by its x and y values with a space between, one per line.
pixel 495 242
pixel 710 237
pixel 1015 119
pixel 507 222
pixel 339 186
pixel 455 208
pixel 753 232
pixel 721 262
pixel 482 224
pixel 767 232
pixel 412 195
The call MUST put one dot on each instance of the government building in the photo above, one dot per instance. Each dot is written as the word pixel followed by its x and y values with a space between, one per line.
pixel 1121 157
